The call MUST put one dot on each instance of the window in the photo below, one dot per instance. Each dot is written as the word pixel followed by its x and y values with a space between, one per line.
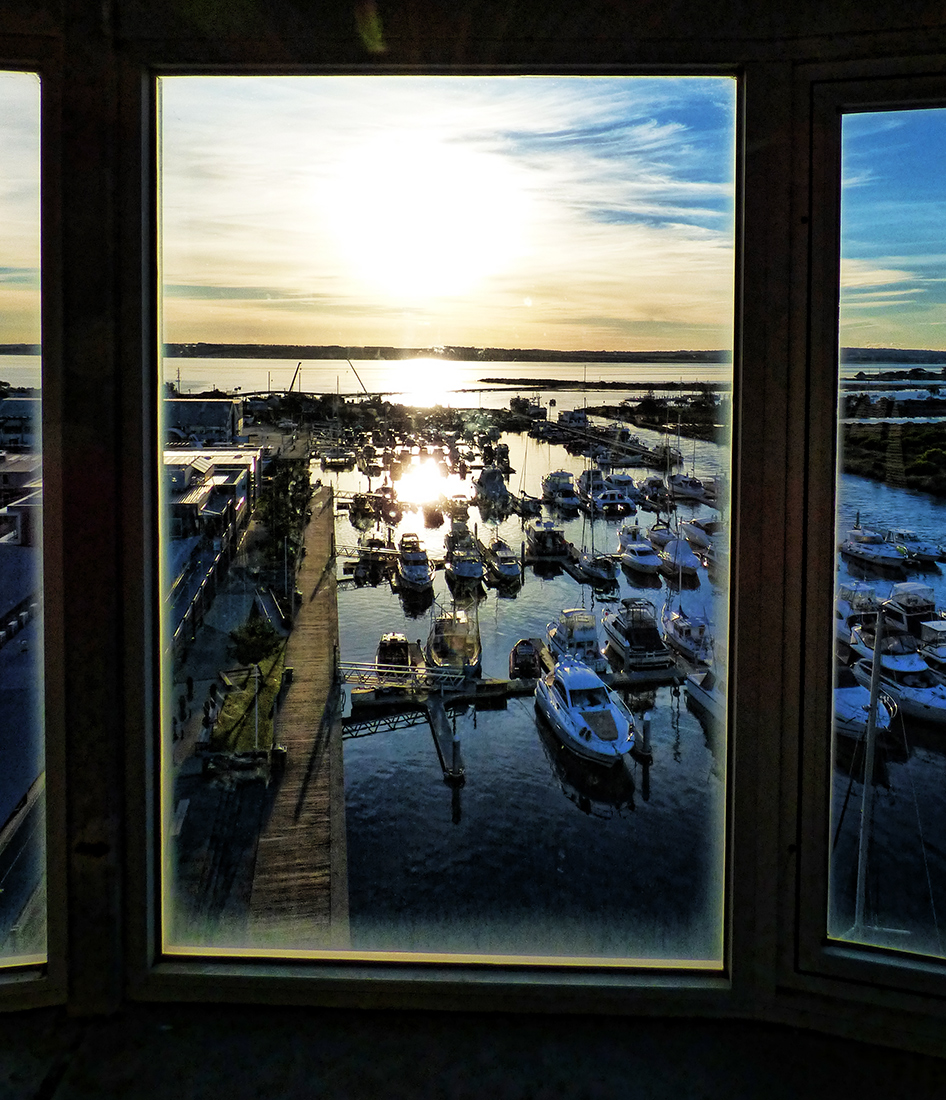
pixel 357 272
pixel 22 766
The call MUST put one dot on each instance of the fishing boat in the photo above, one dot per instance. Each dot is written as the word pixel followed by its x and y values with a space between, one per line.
pixel 909 543
pixel 454 643
pixel 414 570
pixel 633 634
pixel 575 634
pixel 398 661
pixel 589 718
pixel 635 549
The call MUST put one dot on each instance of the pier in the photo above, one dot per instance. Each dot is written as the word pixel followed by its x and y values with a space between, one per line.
pixel 300 884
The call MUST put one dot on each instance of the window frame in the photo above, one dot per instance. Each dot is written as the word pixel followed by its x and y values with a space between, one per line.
pixel 877 976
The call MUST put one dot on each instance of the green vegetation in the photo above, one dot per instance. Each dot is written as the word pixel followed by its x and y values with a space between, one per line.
pixel 236 726
pixel 912 456
pixel 255 640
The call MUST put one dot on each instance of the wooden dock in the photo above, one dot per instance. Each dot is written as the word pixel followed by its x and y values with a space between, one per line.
pixel 300 884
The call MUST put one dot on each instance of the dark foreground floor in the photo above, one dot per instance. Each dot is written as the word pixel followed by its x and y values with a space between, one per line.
pixel 197 1051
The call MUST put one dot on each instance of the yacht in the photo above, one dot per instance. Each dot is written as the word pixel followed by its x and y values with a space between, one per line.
pixel 546 539
pixel 910 682
pixel 414 570
pixel 463 563
pixel 589 718
pixel 635 549
pixel 575 634
pixel 558 488
pixel 677 559
pixel 910 543
pixel 590 486
pixel 633 635
pixel 502 562
pixel 688 634
pixel 868 546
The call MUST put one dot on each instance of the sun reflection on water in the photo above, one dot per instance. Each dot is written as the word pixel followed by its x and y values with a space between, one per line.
pixel 423 382
pixel 422 482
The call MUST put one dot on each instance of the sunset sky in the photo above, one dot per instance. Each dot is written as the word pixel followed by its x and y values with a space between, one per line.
pixel 421 211
pixel 19 208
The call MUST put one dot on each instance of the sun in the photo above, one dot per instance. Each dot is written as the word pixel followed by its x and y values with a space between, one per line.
pixel 417 217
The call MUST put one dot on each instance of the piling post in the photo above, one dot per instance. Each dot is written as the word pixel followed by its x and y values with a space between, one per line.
pixel 644 751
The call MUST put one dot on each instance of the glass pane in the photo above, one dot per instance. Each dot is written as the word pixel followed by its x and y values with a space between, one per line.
pixel 22 777
pixel 434 325
pixel 888 864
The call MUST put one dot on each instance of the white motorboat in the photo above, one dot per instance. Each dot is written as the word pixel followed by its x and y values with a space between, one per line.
pixel 895 643
pixel 707 691
pixel 636 550
pixel 909 542
pixel 576 635
pixel 852 706
pixel 701 533
pixel 558 488
pixel 659 534
pixel 625 484
pixel 633 634
pixel 614 502
pixel 688 634
pixel 589 718
pixel 463 564
pixel 933 647
pixel 398 662
pixel 909 605
pixel 454 643
pixel 868 546
pixel 502 562
pixel 686 487
pixel 414 570
pixel 677 559
pixel 908 680
pixel 854 603
pixel 590 486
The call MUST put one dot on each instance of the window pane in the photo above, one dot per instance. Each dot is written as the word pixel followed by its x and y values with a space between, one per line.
pixel 888 885
pixel 22 778
pixel 393 308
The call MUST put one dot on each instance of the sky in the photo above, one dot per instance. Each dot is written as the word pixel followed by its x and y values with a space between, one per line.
pixel 534 212
pixel 19 208
pixel 893 229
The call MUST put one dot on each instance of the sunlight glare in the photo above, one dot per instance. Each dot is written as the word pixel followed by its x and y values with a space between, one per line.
pixel 422 483
pixel 418 217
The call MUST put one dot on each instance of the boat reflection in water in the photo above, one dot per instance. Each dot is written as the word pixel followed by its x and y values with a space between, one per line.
pixel 599 790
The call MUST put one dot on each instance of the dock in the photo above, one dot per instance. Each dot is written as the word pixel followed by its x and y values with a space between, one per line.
pixel 300 883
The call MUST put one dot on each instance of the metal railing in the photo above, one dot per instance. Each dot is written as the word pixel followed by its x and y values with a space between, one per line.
pixel 414 678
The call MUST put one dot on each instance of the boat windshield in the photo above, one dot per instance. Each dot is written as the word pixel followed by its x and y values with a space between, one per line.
pixel 587 698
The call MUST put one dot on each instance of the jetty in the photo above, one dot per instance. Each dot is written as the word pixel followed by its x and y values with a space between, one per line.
pixel 300 883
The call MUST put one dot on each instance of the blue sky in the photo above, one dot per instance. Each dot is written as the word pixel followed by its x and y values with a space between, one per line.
pixel 19 208
pixel 893 229
pixel 520 212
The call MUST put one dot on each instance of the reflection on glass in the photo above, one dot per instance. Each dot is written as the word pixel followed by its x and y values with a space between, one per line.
pixel 22 778
pixel 887 864
pixel 388 514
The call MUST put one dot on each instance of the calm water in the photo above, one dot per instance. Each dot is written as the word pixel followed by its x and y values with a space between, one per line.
pixel 538 853
pixel 906 892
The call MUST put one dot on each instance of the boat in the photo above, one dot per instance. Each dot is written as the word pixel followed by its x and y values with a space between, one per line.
pixel 852 706
pixel 635 549
pixel 909 543
pixel 682 486
pixel 491 487
pixel 414 570
pixel 654 495
pixel 869 547
pixel 706 690
pixel 463 565
pixel 700 533
pixel 688 634
pixel 589 718
pixel 853 604
pixel 558 488
pixel 633 634
pixel 678 560
pixel 453 644
pixel 375 559
pixel 933 647
pixel 524 661
pixel 910 682
pixel 625 484
pixel 894 643
pixel 502 562
pixel 595 567
pixel 909 605
pixel 575 634
pixel 590 486
pixel 546 539
pixel 659 534
pixel 396 654
pixel 614 502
